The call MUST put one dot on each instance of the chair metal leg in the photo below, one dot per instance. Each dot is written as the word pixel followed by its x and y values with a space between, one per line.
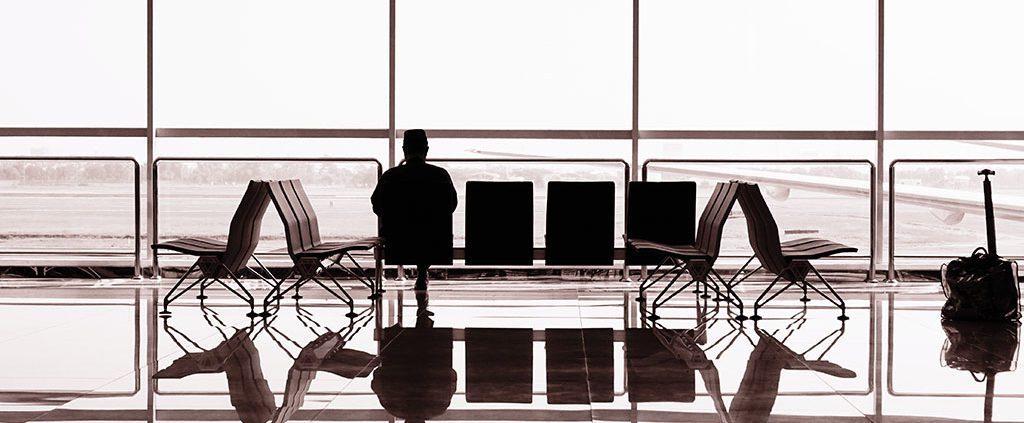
pixel 248 296
pixel 170 297
pixel 269 279
pixel 277 294
pixel 360 276
pixel 650 280
pixel 202 291
pixel 838 302
pixel 658 301
pixel 347 299
pixel 731 297
pixel 757 303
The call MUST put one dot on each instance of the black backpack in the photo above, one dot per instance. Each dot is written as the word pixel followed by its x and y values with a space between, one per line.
pixel 982 286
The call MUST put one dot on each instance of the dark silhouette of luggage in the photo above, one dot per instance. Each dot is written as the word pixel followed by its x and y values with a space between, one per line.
pixel 982 286
pixel 984 349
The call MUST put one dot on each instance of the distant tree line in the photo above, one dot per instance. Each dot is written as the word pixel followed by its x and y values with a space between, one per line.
pixel 65 172
pixel 364 175
pixel 361 175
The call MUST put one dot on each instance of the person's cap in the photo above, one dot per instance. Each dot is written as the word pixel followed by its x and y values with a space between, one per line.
pixel 415 139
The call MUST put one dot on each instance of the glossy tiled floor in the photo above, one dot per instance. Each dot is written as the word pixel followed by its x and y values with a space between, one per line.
pixel 495 352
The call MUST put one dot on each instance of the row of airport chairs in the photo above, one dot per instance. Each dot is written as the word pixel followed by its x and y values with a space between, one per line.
pixel 579 228
pixel 789 261
pixel 224 263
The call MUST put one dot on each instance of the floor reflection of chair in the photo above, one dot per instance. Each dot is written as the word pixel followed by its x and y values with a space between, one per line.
pixel 218 260
pixel 580 365
pixel 661 362
pixel 308 252
pixel 759 387
pixel 787 260
pixel 326 353
pixel 696 260
pixel 499 365
pixel 236 357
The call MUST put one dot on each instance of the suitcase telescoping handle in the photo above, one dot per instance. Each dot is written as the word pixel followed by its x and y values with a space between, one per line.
pixel 990 218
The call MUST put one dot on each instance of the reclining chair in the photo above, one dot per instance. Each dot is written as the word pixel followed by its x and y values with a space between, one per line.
pixel 302 233
pixel 217 259
pixel 697 260
pixel 787 260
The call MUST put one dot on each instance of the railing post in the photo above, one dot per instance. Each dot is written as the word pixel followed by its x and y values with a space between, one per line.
pixel 138 219
pixel 872 267
pixel 150 140
pixel 154 211
pixel 626 277
pixel 891 274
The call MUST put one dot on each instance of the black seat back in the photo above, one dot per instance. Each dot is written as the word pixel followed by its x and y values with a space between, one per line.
pixel 762 231
pixel 244 233
pixel 291 203
pixel 305 208
pixel 499 223
pixel 712 220
pixel 660 212
pixel 580 224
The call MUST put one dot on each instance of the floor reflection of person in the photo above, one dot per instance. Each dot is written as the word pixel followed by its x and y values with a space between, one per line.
pixel 238 358
pixel 415 202
pixel 415 380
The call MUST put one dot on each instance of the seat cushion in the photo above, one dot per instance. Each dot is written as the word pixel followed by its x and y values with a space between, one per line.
pixel 194 246
pixel 679 251
pixel 812 248
pixel 331 248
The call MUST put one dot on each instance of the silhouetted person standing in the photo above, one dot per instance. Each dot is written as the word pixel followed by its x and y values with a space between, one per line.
pixel 415 202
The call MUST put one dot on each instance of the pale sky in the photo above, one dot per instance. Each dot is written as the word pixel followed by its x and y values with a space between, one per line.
pixel 525 64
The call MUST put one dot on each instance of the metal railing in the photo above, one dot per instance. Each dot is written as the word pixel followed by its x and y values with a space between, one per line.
pixel 870 191
pixel 891 274
pixel 155 219
pixel 137 195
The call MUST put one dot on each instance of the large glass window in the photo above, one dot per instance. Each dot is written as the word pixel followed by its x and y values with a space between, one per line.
pixel 750 64
pixel 481 160
pixel 73 63
pixel 939 205
pixel 954 65
pixel 67 204
pixel 267 64
pixel 818 199
pixel 523 64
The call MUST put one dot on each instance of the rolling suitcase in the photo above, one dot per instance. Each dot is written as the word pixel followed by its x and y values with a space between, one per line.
pixel 982 286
